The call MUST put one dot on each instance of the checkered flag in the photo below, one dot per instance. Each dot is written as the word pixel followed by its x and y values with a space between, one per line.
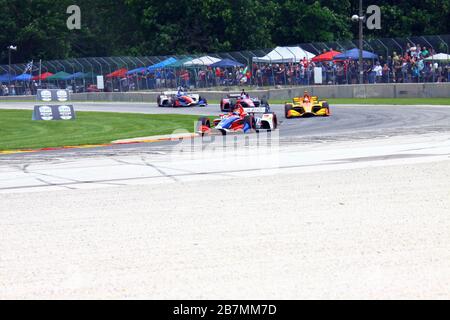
pixel 29 67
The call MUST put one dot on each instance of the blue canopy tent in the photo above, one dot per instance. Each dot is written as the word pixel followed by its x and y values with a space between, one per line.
pixel 23 77
pixel 137 70
pixel 162 64
pixel 226 63
pixel 7 77
pixel 353 54
pixel 160 76
pixel 139 81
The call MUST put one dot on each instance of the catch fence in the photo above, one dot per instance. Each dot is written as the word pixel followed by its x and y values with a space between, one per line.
pixel 280 66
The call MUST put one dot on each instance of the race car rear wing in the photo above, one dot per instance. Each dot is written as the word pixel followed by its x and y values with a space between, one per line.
pixel 170 93
pixel 256 110
pixel 300 99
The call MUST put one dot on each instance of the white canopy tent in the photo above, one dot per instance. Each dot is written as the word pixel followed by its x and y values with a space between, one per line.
pixel 439 56
pixel 285 55
pixel 202 61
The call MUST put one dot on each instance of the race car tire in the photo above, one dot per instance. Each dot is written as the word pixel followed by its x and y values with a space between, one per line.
pixel 325 105
pixel 275 122
pixel 287 108
pixel 203 122
pixel 204 100
pixel 166 103
pixel 159 101
pixel 250 120
pixel 222 107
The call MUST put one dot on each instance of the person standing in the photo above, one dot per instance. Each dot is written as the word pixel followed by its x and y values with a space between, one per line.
pixel 385 73
pixel 339 73
pixel 378 70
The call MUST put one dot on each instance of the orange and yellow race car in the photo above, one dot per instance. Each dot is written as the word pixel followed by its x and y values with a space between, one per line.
pixel 301 108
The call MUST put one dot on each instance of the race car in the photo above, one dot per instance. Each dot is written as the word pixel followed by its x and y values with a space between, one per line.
pixel 227 104
pixel 180 99
pixel 251 119
pixel 300 108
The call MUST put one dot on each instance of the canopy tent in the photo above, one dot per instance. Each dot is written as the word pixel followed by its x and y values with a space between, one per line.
pixel 439 56
pixel 202 61
pixel 89 75
pixel 285 55
pixel 23 77
pixel 227 63
pixel 43 76
pixel 58 76
pixel 7 77
pixel 121 73
pixel 77 75
pixel 353 54
pixel 326 56
pixel 179 63
pixel 162 64
pixel 137 70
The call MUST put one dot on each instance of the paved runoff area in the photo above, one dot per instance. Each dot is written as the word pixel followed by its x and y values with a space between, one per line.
pixel 354 206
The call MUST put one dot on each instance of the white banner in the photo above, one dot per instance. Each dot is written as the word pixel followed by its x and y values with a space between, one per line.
pixel 318 75
pixel 100 83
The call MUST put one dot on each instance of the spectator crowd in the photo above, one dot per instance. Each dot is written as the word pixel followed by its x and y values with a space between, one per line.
pixel 409 66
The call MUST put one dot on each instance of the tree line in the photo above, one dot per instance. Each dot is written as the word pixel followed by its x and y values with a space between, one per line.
pixel 158 27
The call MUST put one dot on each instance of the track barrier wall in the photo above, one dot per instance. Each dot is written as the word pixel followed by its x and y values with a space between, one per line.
pixel 401 90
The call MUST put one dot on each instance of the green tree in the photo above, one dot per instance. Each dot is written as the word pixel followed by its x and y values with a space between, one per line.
pixel 155 27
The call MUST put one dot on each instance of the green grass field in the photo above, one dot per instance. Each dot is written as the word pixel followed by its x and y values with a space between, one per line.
pixel 18 131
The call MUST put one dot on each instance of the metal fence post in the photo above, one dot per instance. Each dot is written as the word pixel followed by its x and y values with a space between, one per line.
pixel 387 56
pixel 432 61
pixel 92 70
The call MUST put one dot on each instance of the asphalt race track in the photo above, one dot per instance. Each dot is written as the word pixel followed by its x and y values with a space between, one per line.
pixel 353 206
pixel 347 121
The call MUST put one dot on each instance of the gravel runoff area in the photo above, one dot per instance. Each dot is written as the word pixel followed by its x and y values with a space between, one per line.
pixel 374 228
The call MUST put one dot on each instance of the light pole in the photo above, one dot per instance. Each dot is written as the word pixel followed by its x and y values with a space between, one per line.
pixel 360 18
pixel 10 48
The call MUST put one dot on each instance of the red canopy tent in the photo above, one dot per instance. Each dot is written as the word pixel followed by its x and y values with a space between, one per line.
pixel 43 76
pixel 327 56
pixel 121 73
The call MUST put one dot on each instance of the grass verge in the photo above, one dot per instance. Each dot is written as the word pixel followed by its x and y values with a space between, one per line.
pixel 18 131
pixel 370 101
pixel 374 101
pixel 380 101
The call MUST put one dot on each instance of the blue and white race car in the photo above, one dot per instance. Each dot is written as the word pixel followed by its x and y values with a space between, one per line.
pixel 180 98
pixel 244 118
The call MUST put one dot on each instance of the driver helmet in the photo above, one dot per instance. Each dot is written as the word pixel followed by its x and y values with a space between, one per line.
pixel 306 96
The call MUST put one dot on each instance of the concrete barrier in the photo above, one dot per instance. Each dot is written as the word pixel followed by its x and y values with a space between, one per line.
pixel 433 90
pixel 415 90
pixel 17 98
pixel 400 90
